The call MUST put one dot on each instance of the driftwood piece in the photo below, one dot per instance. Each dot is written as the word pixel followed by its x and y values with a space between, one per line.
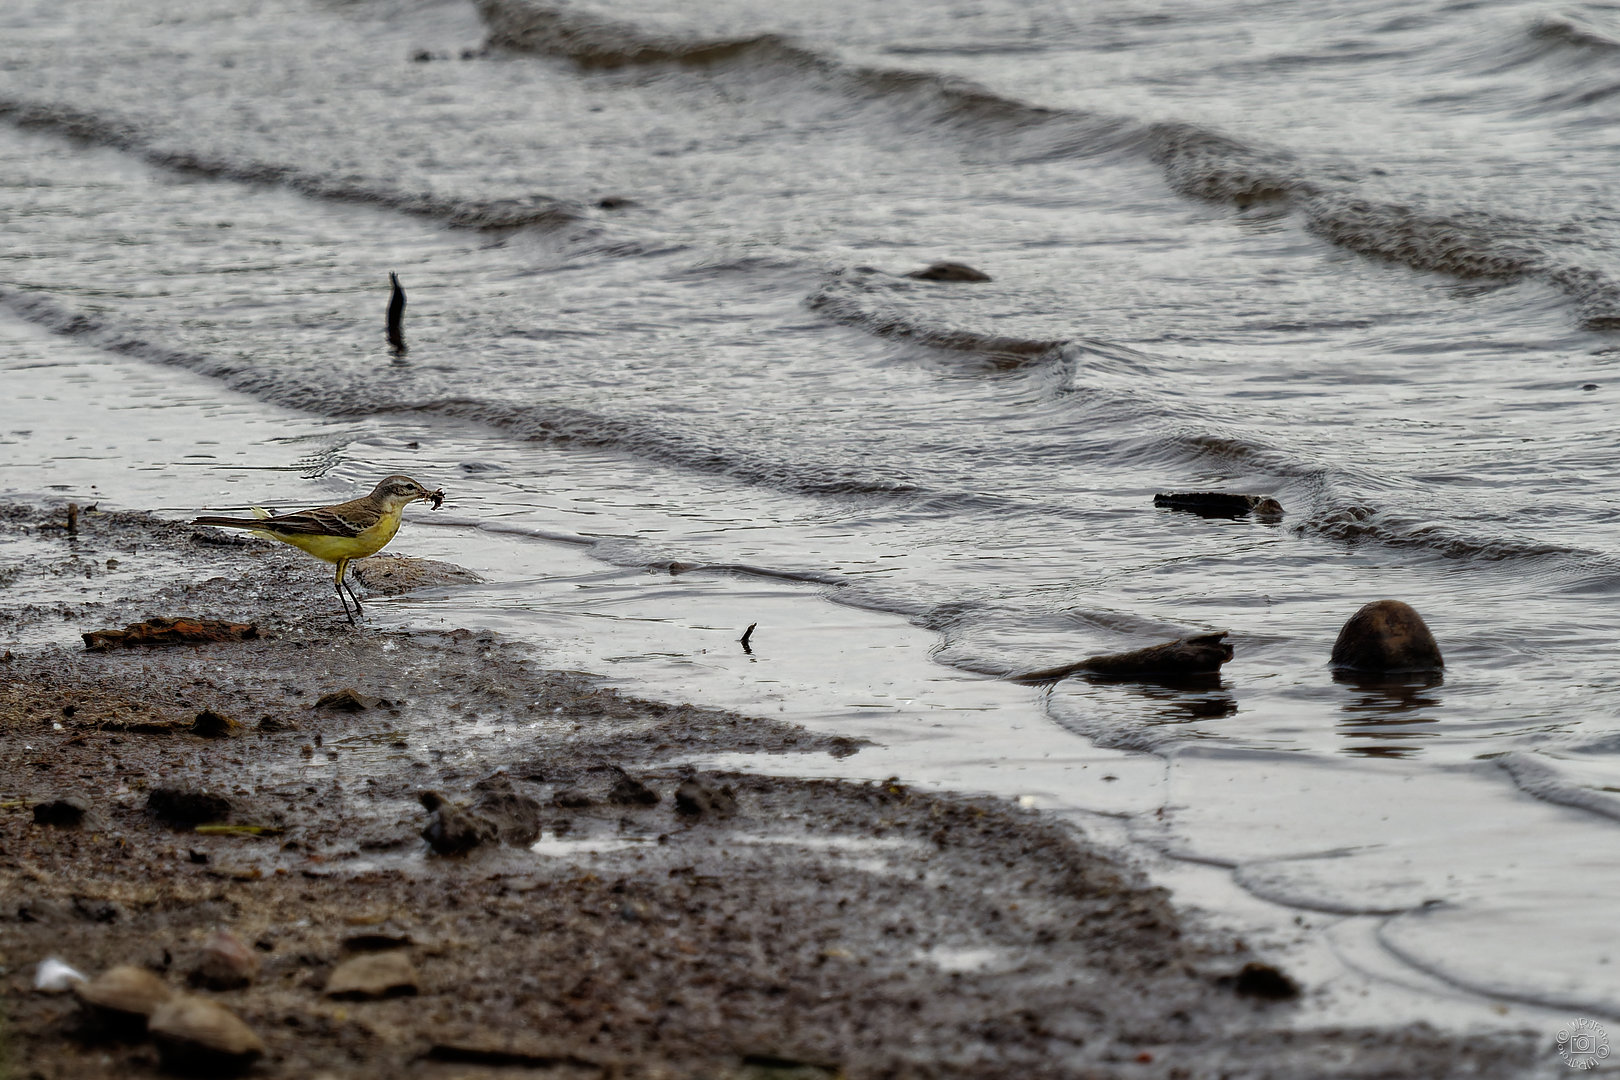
pixel 1220 504
pixel 1201 654
pixel 396 315
pixel 181 631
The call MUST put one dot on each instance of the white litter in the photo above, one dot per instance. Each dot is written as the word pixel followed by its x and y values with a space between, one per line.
pixel 54 977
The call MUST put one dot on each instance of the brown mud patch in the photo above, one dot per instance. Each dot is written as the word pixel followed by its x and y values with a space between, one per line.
pixel 668 922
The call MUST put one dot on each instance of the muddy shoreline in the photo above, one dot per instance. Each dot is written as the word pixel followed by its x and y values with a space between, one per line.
pixel 669 923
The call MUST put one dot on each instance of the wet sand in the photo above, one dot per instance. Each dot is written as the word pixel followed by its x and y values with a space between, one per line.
pixel 644 918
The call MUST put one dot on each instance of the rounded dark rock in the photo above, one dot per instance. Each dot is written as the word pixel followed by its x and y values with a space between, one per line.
pixel 1386 636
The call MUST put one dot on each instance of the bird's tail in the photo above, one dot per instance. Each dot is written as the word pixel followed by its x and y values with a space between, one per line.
pixel 259 514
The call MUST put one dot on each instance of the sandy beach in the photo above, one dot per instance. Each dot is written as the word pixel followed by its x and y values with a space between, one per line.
pixel 615 912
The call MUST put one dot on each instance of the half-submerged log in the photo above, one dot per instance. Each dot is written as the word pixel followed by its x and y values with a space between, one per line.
pixel 1219 504
pixel 1199 655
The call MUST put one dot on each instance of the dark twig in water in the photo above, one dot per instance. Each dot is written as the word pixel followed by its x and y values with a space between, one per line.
pixel 73 519
pixel 748 633
pixel 396 316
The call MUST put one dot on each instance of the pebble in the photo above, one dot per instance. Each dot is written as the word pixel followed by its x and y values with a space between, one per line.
pixel 693 799
pixel 225 963
pixel 185 807
pixel 124 996
pixel 374 975
pixel 198 1036
pixel 67 812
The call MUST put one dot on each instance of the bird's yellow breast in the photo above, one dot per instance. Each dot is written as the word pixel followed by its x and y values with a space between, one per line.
pixel 335 549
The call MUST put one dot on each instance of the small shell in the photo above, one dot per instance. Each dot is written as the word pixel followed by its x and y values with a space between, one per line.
pixel 198 1035
pixel 124 992
pixel 51 976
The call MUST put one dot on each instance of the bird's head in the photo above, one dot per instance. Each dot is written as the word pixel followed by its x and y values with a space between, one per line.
pixel 400 490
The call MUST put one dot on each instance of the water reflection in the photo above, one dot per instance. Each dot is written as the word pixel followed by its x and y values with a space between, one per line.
pixel 1177 699
pixel 1388 708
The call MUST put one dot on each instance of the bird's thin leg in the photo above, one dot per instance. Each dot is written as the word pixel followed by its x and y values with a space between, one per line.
pixel 342 566
pixel 354 597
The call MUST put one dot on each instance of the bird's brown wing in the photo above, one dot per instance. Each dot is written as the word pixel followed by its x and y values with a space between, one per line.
pixel 343 520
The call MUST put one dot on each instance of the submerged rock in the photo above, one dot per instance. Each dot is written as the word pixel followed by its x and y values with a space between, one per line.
pixel 196 1036
pixel 1386 636
pixel 1198 655
pixel 949 271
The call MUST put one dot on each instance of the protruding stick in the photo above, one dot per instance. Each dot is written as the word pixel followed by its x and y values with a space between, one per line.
pixel 748 633
pixel 396 315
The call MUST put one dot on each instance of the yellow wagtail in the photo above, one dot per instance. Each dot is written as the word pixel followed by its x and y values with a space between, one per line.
pixel 338 534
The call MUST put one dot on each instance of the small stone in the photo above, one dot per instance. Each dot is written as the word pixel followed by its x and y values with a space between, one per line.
pixel 198 1036
pixel 212 725
pixel 516 816
pixel 123 997
pixel 67 812
pixel 1262 981
pixel 225 963
pixel 186 807
pixel 693 799
pixel 346 700
pixel 454 830
pixel 632 792
pixel 373 975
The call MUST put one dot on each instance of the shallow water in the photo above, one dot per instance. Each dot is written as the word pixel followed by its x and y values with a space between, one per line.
pixel 1360 262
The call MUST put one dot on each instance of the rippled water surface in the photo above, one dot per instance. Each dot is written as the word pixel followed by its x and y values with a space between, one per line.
pixel 1364 261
